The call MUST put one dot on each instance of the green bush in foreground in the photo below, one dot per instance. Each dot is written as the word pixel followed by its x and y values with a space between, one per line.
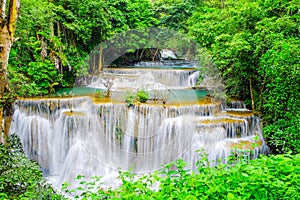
pixel 21 178
pixel 273 177
pixel 269 177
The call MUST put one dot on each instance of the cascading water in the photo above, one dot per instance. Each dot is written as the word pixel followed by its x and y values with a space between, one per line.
pixel 131 78
pixel 74 136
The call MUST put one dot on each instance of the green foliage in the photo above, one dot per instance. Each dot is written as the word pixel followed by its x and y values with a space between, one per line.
pixel 131 14
pixel 142 95
pixel 55 37
pixel 130 99
pixel 282 71
pixel 20 85
pixel 284 135
pixel 174 14
pixel 273 177
pixel 43 74
pixel 229 42
pixel 257 42
pixel 100 94
pixel 281 95
pixel 21 178
pixel 35 57
pixel 281 98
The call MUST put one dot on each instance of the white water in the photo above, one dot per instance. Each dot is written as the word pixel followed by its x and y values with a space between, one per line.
pixel 74 136
pixel 132 78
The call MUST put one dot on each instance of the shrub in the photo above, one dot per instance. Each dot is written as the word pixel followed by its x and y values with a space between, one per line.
pixel 130 98
pixel 273 177
pixel 142 95
pixel 21 178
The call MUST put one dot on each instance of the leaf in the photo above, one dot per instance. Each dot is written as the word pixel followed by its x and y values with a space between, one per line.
pixel 230 196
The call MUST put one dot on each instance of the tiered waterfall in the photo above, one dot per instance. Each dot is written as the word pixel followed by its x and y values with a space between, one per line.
pixel 80 135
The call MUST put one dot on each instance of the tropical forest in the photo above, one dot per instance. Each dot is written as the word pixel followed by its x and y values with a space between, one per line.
pixel 150 99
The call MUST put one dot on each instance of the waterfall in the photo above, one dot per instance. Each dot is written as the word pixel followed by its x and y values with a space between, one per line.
pixel 237 104
pixel 75 136
pixel 133 78
pixel 71 136
pixel 193 79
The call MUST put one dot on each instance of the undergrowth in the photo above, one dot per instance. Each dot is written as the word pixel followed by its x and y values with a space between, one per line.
pixel 268 177
pixel 21 178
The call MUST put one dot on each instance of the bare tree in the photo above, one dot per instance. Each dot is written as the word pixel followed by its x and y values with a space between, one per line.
pixel 8 21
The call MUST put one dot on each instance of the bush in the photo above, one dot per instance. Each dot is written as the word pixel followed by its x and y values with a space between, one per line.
pixel 130 98
pixel 142 95
pixel 21 178
pixel 273 177
pixel 283 135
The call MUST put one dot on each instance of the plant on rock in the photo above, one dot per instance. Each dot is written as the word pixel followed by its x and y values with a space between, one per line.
pixel 142 95
pixel 130 98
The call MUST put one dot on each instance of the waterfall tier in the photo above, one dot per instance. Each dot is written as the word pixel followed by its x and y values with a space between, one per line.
pixel 75 136
pixel 153 78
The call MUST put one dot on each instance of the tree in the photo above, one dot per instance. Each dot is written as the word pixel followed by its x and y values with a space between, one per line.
pixel 255 45
pixel 7 29
pixel 57 36
pixel 174 14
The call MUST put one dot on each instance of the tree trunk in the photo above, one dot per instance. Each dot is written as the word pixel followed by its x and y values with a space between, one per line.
pixel 251 93
pixel 7 30
pixel 153 58
pixel 5 45
pixel 100 67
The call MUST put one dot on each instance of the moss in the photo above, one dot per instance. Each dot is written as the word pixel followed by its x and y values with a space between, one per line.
pixel 220 121
pixel 72 113
pixel 237 113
